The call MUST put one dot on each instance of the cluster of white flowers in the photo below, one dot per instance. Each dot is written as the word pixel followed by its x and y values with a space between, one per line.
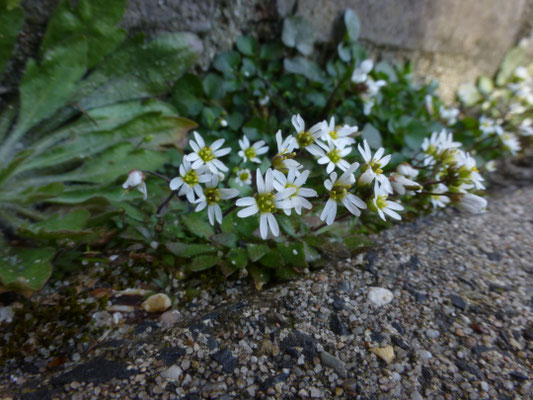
pixel 454 173
pixel 449 114
pixel 489 127
pixel 522 89
pixel 281 188
pixel 361 75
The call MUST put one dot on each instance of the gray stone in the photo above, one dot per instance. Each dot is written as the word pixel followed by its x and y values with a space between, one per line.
pixel 333 362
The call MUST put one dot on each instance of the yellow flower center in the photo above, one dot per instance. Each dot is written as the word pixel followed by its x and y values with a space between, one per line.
pixel 334 135
pixel 265 202
pixel 381 202
pixel 335 156
pixel 288 185
pixel 206 154
pixel 212 195
pixel 305 139
pixel 338 192
pixel 376 166
pixel 278 161
pixel 191 178
pixel 244 176
pixel 249 153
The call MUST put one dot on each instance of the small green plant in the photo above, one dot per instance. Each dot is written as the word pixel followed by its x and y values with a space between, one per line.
pixel 85 111
pixel 380 147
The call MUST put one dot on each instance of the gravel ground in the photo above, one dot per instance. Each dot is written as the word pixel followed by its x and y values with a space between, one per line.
pixel 455 322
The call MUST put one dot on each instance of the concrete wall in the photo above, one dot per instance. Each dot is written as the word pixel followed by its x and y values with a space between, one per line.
pixel 451 40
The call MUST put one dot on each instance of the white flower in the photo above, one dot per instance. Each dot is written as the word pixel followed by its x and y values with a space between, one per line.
pixel 368 105
pixel 449 114
pixel 284 159
pixel 223 123
pixel 295 179
pixel 372 168
pixel 490 166
pixel 373 87
pixel 264 100
pixel 407 170
pixel 306 139
pixel 189 180
pixel 439 201
pixel 266 203
pixel 526 127
pixel 400 182
pixel 521 73
pixel 207 155
pixel 250 153
pixel 516 108
pixel 428 103
pixel 385 207
pixel 488 125
pixel 337 134
pixel 467 169
pixel 511 142
pixel 471 203
pixel 338 194
pixel 243 177
pixel 212 195
pixel 439 145
pixel 333 155
pixel 360 74
pixel 136 180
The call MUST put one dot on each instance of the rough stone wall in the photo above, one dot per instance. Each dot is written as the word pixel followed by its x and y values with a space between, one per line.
pixel 451 40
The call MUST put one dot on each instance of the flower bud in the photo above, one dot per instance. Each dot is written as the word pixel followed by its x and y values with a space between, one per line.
pixel 471 203
pixel 136 180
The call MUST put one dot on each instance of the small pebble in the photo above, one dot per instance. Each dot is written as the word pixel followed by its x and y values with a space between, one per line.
pixel 424 355
pixel 156 303
pixel 385 353
pixel 380 296
pixel 172 373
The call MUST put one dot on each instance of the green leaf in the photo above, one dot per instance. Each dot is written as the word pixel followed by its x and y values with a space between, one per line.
pixel 25 269
pixel 287 225
pixel 227 62
pixel 248 68
pixel 415 134
pixel 247 45
pixel 353 26
pixel 96 20
pixel 302 66
pixel 113 163
pixel 238 258
pixel 68 226
pixel 293 254
pixel 512 60
pixel 387 69
pixel 311 254
pixel 189 249
pixel 298 33
pixel 139 70
pixel 47 87
pixel 197 224
pixel 187 94
pixel 6 172
pixel 163 130
pixel 272 259
pixel 372 136
pixel 485 84
pixel 256 251
pixel 213 86
pixel 469 94
pixel 225 239
pixel 260 275
pixel 201 263
pixel 271 51
pixel 11 21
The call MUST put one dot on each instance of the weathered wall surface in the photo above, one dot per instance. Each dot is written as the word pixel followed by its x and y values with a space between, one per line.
pixel 451 40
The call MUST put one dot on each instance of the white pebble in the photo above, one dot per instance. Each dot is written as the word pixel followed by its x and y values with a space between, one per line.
pixel 6 314
pixel 380 296
pixel 173 372
pixel 425 355
pixel 156 303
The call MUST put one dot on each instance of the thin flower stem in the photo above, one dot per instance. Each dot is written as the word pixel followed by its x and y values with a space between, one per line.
pixel 157 174
pixel 229 210
pixel 165 202
pixel 344 216
pixel 436 194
